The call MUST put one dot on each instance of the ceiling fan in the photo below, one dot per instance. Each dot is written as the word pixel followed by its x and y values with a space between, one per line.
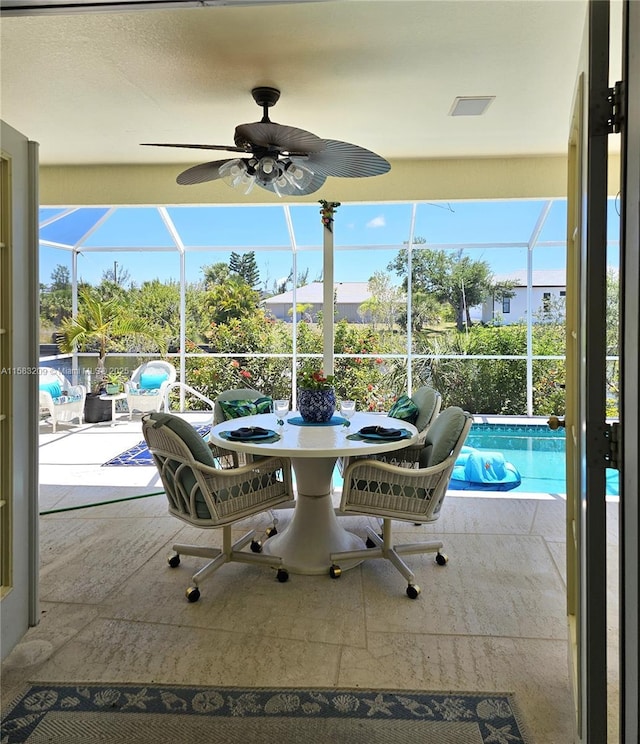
pixel 284 160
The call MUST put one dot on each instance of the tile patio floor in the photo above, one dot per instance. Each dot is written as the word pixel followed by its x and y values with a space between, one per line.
pixel 112 610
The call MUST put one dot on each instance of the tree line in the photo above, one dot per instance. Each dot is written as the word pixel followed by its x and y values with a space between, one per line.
pixel 224 314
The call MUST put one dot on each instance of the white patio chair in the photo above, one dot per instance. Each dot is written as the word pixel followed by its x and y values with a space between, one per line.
pixel 204 495
pixel 389 492
pixel 61 401
pixel 147 385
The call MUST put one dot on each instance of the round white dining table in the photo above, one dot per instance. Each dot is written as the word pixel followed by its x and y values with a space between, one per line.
pixel 314 532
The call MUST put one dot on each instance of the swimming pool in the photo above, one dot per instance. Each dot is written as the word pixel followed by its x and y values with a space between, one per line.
pixel 537 452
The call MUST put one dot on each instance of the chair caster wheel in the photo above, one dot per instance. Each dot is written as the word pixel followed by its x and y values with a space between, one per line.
pixel 442 559
pixel 173 560
pixel 282 575
pixel 369 543
pixel 256 546
pixel 335 572
pixel 271 531
pixel 193 594
pixel 412 591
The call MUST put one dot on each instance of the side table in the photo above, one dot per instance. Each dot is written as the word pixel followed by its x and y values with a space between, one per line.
pixel 113 399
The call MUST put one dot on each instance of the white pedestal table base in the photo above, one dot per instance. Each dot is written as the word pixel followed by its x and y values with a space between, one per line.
pixel 314 533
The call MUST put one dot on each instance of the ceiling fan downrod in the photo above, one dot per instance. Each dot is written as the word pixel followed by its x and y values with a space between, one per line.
pixel 265 97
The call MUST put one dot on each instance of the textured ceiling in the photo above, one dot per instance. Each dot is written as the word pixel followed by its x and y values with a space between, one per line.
pixel 91 87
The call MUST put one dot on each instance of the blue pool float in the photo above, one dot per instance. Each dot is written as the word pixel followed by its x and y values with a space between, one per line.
pixel 483 471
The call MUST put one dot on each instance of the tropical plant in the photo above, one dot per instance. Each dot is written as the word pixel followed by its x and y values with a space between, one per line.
pixel 246 267
pixel 451 277
pixel 98 325
pixel 233 299
pixel 312 378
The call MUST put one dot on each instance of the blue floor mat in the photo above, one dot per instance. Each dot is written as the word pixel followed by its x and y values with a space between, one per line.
pixel 140 455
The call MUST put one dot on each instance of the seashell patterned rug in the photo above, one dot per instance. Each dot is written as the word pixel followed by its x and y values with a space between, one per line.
pixel 147 713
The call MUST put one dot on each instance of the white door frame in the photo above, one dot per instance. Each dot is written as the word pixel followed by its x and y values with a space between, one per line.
pixel 19 598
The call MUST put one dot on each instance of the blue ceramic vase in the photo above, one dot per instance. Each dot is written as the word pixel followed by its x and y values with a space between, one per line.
pixel 317 406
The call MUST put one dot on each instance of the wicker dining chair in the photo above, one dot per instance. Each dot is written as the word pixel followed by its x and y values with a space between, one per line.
pixel 392 492
pixel 426 403
pixel 203 494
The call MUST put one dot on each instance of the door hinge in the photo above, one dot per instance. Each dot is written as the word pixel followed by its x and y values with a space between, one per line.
pixel 613 453
pixel 615 100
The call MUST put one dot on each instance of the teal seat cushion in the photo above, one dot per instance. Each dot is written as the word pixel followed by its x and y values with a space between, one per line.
pixel 198 448
pixel 425 399
pixel 404 408
pixel 238 408
pixel 393 489
pixel 152 381
pixel 53 388
pixel 442 436
pixel 255 484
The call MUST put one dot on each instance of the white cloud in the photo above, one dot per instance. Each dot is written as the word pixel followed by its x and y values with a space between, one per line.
pixel 377 222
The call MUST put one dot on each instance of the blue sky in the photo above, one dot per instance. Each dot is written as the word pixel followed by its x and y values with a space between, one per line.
pixel 210 233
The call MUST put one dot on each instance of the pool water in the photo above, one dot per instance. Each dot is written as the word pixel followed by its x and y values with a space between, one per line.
pixel 537 452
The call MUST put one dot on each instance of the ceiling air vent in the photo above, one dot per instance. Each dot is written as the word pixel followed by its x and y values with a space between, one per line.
pixel 470 105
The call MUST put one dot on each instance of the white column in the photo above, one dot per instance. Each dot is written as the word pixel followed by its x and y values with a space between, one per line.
pixel 327 211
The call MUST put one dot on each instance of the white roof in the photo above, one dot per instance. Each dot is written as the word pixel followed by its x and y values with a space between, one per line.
pixel 346 293
pixel 540 278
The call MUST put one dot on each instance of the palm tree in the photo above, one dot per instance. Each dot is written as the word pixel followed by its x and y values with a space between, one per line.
pixel 100 323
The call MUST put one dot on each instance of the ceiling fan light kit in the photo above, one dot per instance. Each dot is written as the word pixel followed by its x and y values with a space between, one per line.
pixel 284 160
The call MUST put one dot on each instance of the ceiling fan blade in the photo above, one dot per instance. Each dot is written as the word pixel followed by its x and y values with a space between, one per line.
pixel 228 148
pixel 201 173
pixel 277 137
pixel 290 190
pixel 346 161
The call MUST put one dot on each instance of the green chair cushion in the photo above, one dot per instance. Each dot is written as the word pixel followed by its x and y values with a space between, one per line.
pixel 404 408
pixel 442 436
pixel 194 442
pixel 393 489
pixel 238 408
pixel 198 448
pixel 255 484
pixel 425 398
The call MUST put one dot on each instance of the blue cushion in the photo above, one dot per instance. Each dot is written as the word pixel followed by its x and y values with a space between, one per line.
pixel 66 399
pixel 53 388
pixel 150 381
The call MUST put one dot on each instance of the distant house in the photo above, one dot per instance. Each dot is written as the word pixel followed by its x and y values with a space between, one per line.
pixel 546 284
pixel 349 296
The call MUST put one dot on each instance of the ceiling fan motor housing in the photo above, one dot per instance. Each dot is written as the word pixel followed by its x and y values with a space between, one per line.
pixel 265 96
